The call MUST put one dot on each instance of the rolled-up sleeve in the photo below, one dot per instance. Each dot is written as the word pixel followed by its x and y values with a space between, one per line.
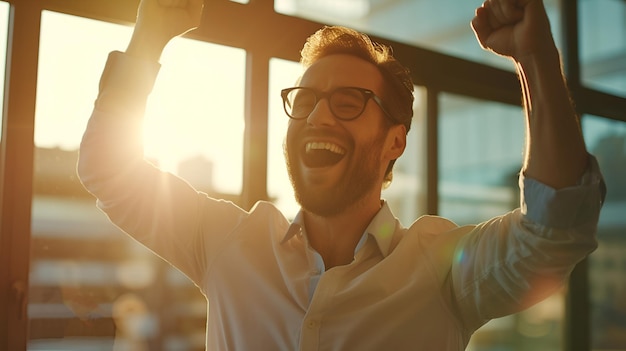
pixel 577 206
pixel 511 262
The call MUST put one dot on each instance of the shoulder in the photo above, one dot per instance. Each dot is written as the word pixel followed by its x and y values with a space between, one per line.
pixel 433 232
pixel 265 214
pixel 432 225
pixel 265 208
pixel 436 237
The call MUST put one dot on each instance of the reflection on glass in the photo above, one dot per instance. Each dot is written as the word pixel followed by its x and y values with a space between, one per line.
pixel 441 25
pixel 606 139
pixel 91 287
pixel 480 149
pixel 603 44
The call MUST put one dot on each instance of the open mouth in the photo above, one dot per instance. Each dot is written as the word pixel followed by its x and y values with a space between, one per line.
pixel 322 154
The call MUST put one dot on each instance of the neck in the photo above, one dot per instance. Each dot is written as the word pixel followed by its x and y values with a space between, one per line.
pixel 335 238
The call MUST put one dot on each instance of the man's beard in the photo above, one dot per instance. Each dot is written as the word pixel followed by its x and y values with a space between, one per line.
pixel 360 178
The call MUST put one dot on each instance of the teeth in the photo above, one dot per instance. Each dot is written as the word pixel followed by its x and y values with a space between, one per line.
pixel 324 146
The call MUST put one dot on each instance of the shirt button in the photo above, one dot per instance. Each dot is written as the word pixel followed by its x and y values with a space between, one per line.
pixel 312 324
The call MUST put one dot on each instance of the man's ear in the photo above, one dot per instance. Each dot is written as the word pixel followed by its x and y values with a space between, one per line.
pixel 396 141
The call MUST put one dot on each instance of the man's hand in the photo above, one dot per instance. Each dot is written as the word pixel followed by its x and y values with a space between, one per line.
pixel 158 21
pixel 513 28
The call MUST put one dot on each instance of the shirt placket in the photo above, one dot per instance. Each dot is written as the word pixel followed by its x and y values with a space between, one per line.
pixel 322 289
pixel 320 304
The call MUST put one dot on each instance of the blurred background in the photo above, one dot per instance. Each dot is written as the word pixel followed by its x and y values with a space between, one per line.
pixel 72 281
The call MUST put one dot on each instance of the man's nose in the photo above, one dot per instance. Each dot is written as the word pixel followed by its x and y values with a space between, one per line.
pixel 321 115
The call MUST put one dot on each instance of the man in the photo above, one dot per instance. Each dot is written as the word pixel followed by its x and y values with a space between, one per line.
pixel 345 275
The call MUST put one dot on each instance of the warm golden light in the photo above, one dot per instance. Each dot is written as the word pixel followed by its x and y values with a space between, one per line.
pixel 195 109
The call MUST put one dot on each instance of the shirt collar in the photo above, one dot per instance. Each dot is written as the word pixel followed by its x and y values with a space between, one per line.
pixel 382 227
pixel 294 228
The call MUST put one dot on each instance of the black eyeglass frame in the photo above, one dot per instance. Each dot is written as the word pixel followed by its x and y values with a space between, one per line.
pixel 319 95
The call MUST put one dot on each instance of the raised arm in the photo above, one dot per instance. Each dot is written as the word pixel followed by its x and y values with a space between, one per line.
pixel 520 29
pixel 513 261
pixel 158 21
pixel 157 208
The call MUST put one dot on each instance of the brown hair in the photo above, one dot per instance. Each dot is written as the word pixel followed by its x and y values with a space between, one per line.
pixel 398 85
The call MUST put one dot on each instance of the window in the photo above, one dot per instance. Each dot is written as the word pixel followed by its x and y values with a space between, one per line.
pixel 442 25
pixel 91 287
pixel 480 155
pixel 603 45
pixel 481 145
pixel 283 74
pixel 406 194
pixel 607 265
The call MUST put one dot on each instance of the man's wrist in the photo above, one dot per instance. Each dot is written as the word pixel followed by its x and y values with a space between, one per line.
pixel 145 47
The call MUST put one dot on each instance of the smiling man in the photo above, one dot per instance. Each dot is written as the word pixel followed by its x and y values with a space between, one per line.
pixel 345 274
pixel 342 139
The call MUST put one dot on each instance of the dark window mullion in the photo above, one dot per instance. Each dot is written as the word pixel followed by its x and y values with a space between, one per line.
pixel 577 329
pixel 256 128
pixel 16 173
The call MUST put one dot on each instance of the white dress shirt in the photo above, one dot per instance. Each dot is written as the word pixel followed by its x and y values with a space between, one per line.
pixel 425 287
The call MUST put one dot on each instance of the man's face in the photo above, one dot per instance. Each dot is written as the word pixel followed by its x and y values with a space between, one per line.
pixel 332 163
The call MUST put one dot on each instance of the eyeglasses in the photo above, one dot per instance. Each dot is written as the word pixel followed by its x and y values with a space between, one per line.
pixel 346 103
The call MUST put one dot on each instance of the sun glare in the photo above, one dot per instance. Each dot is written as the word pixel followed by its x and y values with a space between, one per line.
pixel 195 109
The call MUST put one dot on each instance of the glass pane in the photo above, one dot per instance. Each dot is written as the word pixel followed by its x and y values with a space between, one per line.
pixel 195 118
pixel 480 147
pixel 92 288
pixel 480 151
pixel 4 25
pixel 283 74
pixel 441 25
pixel 195 111
pixel 406 195
pixel 603 45
pixel 606 139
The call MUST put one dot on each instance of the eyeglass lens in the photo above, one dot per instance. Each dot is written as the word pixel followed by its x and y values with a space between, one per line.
pixel 345 103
